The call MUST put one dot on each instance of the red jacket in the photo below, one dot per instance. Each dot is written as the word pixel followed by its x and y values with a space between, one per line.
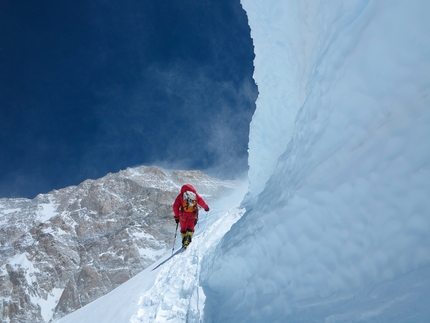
pixel 177 206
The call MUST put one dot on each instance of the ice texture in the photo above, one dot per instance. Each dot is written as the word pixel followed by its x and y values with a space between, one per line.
pixel 337 228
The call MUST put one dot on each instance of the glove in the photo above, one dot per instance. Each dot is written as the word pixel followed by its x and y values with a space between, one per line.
pixel 207 209
pixel 177 221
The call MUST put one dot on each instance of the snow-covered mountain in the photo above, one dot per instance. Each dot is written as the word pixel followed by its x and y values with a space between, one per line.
pixel 62 250
pixel 168 290
pixel 335 225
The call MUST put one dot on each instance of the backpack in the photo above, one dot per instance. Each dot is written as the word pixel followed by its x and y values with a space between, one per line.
pixel 190 202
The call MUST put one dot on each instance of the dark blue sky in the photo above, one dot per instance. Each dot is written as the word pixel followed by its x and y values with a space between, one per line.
pixel 91 87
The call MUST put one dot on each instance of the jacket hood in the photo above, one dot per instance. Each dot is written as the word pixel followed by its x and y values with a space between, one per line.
pixel 187 187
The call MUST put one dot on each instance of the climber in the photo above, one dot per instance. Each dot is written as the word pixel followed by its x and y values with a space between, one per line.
pixel 186 211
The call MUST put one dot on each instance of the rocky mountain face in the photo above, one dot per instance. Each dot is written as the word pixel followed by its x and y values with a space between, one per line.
pixel 62 250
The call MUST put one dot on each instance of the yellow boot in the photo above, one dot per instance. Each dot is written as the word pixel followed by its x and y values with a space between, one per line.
pixel 183 235
pixel 190 233
pixel 186 240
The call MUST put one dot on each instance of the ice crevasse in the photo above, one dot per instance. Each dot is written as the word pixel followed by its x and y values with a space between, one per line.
pixel 338 210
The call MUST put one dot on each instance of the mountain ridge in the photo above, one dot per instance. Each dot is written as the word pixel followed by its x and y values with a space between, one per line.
pixel 64 249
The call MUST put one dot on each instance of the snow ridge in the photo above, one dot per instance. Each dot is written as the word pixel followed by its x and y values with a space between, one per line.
pixel 169 290
pixel 341 214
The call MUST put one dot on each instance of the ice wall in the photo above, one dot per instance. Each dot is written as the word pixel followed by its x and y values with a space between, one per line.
pixel 339 169
pixel 280 83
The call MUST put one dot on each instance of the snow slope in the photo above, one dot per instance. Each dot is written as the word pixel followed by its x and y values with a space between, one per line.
pixel 167 291
pixel 337 228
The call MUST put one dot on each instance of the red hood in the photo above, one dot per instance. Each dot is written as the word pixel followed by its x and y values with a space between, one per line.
pixel 187 187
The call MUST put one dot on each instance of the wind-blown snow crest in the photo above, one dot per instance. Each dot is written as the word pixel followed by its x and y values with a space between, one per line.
pixel 338 228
